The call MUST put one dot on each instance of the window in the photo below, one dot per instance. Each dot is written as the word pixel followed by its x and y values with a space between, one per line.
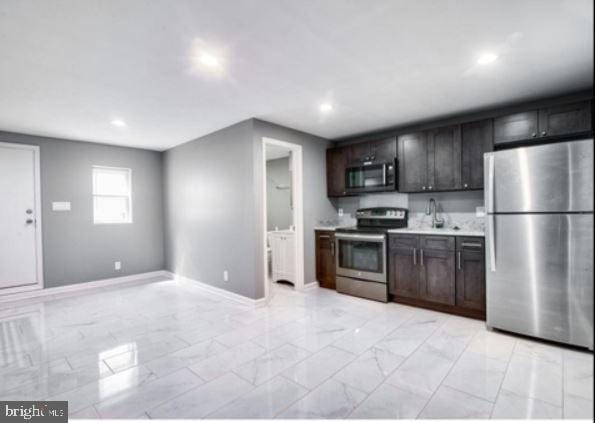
pixel 112 201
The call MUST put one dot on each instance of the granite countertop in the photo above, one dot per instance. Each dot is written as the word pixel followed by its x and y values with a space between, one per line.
pixel 325 228
pixel 437 231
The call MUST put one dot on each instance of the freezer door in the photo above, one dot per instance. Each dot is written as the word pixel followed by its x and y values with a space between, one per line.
pixel 540 276
pixel 547 178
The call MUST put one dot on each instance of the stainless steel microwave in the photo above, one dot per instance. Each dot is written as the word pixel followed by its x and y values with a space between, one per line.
pixel 370 177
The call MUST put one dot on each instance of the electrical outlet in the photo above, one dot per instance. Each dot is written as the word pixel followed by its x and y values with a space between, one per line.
pixel 225 276
pixel 340 212
pixel 117 265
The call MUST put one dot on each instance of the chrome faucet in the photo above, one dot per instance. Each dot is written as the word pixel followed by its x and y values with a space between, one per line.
pixel 431 210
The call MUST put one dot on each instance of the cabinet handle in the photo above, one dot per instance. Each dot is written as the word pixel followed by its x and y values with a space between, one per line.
pixel 543 134
pixel 423 188
pixel 430 187
pixel 533 134
pixel 459 260
pixel 333 249
pixel 421 256
pixel 465 185
pixel 471 244
pixel 415 256
pixel 324 236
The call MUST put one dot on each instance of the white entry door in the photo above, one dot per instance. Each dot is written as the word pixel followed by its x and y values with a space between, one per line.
pixel 20 223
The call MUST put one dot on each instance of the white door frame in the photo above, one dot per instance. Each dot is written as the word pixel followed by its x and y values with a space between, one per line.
pixel 38 214
pixel 298 209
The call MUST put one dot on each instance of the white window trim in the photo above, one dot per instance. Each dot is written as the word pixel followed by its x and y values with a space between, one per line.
pixel 129 196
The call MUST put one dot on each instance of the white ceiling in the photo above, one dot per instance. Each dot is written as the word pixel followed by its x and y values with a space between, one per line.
pixel 69 67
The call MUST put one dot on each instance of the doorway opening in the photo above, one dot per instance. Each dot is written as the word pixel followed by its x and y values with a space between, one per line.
pixel 283 216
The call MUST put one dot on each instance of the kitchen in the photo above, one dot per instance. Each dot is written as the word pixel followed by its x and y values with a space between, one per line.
pixel 421 260
pixel 259 209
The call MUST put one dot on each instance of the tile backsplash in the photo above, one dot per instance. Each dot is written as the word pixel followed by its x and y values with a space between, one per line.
pixel 456 208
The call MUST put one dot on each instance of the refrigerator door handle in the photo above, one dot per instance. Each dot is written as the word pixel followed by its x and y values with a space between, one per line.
pixel 492 239
pixel 490 198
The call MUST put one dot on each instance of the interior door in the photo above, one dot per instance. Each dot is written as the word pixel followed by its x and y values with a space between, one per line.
pixel 18 225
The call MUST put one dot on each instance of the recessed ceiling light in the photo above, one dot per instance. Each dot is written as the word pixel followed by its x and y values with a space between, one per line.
pixel 118 122
pixel 326 107
pixel 487 58
pixel 209 60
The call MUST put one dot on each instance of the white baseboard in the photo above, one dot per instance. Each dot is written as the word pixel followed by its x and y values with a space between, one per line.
pixel 219 291
pixel 83 286
pixel 311 285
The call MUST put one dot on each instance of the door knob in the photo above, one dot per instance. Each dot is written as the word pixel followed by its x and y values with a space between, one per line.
pixel 430 187
pixel 543 134
pixel 423 187
pixel 464 185
pixel 533 134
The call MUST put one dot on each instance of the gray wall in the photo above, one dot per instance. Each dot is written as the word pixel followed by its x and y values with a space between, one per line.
pixel 210 213
pixel 74 249
pixel 214 204
pixel 316 204
pixel 279 212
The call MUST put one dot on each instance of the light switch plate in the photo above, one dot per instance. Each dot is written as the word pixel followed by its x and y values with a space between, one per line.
pixel 61 206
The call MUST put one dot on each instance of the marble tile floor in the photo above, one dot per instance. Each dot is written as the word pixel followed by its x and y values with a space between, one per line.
pixel 166 349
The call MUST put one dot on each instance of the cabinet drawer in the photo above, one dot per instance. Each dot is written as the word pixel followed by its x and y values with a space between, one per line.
pixel 403 241
pixel 437 242
pixel 470 243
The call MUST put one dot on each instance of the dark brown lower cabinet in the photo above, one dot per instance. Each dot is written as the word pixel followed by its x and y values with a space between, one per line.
pixel 402 264
pixel 449 277
pixel 437 281
pixel 325 258
pixel 470 277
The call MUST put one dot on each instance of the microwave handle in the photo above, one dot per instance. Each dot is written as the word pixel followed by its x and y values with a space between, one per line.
pixel 384 166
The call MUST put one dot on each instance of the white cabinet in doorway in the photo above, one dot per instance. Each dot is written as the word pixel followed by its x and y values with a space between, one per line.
pixel 282 245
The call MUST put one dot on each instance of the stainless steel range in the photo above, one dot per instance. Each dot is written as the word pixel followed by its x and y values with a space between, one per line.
pixel 361 252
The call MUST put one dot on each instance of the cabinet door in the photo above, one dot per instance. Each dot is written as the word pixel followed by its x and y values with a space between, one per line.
pixel 384 150
pixel 325 259
pixel 413 162
pixel 359 152
pixel 444 162
pixel 516 127
pixel 477 138
pixel 403 272
pixel 437 276
pixel 566 119
pixel 470 277
pixel 336 163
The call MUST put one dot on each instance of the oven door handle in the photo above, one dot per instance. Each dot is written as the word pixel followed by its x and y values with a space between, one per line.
pixel 360 237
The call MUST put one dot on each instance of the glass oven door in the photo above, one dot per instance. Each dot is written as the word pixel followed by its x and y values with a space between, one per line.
pixel 361 256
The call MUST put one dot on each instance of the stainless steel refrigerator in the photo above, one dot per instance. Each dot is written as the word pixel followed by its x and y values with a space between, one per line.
pixel 539 241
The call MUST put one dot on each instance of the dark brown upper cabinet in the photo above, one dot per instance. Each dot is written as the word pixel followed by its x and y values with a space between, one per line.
pixel 430 160
pixel 516 127
pixel 444 158
pixel 554 121
pixel 383 150
pixel 337 160
pixel 566 119
pixel 477 138
pixel 413 162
